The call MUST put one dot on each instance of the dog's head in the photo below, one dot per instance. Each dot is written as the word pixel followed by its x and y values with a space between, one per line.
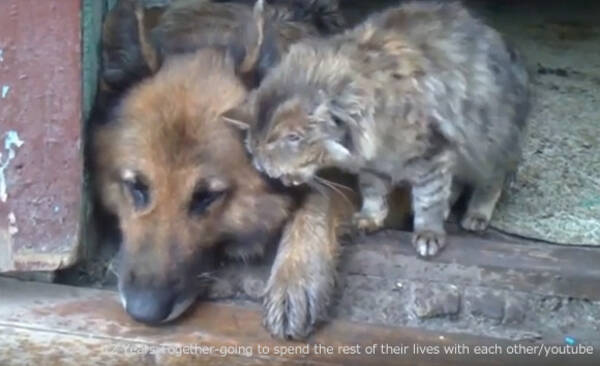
pixel 179 180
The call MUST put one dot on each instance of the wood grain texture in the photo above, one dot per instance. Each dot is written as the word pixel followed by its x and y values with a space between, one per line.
pixel 60 325
pixel 532 267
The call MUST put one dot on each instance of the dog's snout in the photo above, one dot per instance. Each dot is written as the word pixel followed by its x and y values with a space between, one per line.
pixel 149 305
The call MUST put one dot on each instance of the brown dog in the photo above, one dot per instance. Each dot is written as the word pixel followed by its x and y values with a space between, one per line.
pixel 184 191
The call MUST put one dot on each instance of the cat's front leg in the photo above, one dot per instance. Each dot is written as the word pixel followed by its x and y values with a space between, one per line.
pixel 430 197
pixel 374 190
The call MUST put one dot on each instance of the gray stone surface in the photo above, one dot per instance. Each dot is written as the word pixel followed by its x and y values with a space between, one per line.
pixel 487 305
pixel 433 300
pixel 515 310
pixel 556 195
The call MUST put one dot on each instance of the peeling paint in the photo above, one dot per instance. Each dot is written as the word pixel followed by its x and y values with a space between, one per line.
pixel 12 141
pixel 42 66
pixel 13 229
pixel 1 55
pixel 5 90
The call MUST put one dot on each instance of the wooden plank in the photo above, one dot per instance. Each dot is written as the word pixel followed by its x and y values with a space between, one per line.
pixel 533 267
pixel 40 114
pixel 61 325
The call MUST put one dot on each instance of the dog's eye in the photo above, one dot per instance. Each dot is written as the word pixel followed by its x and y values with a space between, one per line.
pixel 201 201
pixel 139 193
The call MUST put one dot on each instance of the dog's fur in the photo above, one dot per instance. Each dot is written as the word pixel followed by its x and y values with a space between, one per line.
pixel 184 191
pixel 422 93
pixel 137 40
pixel 180 184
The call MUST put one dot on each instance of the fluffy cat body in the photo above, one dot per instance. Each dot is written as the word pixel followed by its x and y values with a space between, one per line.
pixel 423 94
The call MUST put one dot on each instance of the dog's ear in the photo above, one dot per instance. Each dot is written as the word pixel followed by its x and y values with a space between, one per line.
pixel 243 116
pixel 246 53
pixel 147 19
pixel 256 50
pixel 128 54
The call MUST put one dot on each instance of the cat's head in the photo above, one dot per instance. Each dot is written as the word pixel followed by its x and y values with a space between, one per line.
pixel 294 136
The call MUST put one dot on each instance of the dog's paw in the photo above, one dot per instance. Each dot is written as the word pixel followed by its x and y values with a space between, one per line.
pixel 428 243
pixel 294 303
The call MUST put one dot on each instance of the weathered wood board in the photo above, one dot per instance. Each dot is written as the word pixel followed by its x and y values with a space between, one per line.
pixel 40 145
pixel 61 325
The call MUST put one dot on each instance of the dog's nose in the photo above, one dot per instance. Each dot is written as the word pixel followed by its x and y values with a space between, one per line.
pixel 150 306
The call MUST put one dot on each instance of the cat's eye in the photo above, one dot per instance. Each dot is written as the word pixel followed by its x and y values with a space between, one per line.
pixel 293 137
pixel 202 200
pixel 139 193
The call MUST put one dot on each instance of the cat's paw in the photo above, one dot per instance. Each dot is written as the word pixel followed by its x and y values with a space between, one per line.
pixel 475 222
pixel 428 243
pixel 294 303
pixel 368 222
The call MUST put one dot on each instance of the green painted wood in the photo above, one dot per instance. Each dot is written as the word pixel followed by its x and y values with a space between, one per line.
pixel 91 25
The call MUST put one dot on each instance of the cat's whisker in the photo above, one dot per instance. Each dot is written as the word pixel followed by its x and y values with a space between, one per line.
pixel 207 276
pixel 317 187
pixel 326 183
pixel 112 268
pixel 339 185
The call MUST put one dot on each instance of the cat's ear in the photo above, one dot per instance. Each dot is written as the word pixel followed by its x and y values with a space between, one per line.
pixel 321 108
pixel 353 106
pixel 338 129
pixel 335 125
pixel 351 111
pixel 241 116
pixel 338 151
pixel 329 112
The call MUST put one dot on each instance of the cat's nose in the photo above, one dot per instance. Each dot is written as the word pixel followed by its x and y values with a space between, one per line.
pixel 291 180
pixel 269 170
pixel 286 180
pixel 257 165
